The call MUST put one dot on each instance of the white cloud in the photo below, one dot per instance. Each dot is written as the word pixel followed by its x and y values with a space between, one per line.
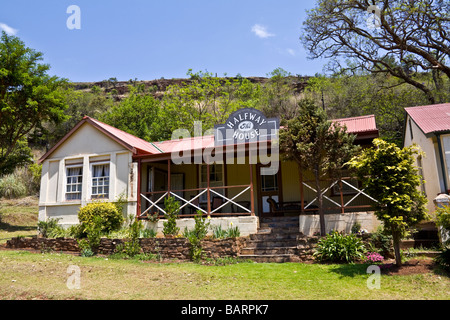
pixel 261 31
pixel 291 51
pixel 9 30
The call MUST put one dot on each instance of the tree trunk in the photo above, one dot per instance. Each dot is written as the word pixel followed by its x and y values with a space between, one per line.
pixel 396 244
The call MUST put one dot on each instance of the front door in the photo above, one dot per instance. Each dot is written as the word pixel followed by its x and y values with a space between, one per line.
pixel 269 186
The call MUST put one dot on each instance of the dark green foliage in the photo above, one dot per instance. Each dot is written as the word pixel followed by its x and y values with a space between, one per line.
pixel 172 208
pixel 139 115
pixel 318 145
pixel 337 247
pixel 196 235
pixel 381 242
pixel 443 259
pixel 93 230
pixel 28 96
pixel 50 228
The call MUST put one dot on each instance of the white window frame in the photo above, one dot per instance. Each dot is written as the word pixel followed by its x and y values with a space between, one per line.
pixel 70 166
pixel 93 196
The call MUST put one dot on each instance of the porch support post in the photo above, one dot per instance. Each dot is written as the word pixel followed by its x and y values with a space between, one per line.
pixel 342 197
pixel 252 200
pixel 168 177
pixel 208 194
pixel 138 207
pixel 302 196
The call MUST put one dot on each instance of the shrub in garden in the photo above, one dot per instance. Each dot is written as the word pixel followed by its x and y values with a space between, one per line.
pixel 336 247
pixel 231 232
pixel 381 242
pixel 443 221
pixel 443 259
pixel 172 208
pixel 110 218
pixel 12 187
pixel 50 228
pixel 196 235
pixel 93 230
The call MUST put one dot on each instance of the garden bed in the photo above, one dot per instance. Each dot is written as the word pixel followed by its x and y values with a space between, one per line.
pixel 413 266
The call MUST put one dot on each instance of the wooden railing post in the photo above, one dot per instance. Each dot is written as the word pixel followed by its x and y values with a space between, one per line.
pixel 252 200
pixel 208 194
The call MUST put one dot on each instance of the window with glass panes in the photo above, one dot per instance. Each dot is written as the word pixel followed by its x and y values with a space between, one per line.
pixel 74 179
pixel 100 181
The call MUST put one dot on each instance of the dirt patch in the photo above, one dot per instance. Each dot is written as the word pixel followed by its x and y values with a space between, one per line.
pixel 413 266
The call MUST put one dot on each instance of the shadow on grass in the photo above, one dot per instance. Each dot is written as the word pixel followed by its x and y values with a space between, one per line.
pixel 11 228
pixel 350 269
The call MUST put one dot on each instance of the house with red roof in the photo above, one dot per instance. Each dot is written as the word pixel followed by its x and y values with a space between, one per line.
pixel 429 128
pixel 97 161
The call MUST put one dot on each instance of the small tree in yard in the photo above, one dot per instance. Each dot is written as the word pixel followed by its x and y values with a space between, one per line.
pixel 389 175
pixel 317 144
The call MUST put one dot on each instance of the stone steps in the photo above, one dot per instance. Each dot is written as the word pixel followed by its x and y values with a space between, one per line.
pixel 278 240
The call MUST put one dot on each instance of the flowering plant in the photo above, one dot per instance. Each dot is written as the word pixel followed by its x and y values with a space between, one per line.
pixel 374 257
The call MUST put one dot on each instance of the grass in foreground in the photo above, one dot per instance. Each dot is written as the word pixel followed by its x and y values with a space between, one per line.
pixel 18 217
pixel 25 275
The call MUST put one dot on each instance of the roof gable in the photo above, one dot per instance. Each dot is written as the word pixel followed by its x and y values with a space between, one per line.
pixel 128 141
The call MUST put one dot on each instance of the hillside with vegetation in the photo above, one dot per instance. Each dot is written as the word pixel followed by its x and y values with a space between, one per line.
pixel 152 110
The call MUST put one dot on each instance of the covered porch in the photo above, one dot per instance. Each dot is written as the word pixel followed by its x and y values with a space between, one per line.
pixel 231 190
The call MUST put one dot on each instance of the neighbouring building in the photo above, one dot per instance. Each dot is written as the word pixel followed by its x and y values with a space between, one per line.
pixel 97 161
pixel 429 128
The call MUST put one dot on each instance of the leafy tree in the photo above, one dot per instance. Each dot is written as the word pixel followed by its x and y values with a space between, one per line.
pixel 317 144
pixel 389 175
pixel 206 98
pixel 277 95
pixel 138 115
pixel 407 37
pixel 80 104
pixel 28 95
pixel 350 95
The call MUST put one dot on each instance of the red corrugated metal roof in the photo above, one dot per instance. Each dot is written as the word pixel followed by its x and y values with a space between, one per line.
pixel 180 145
pixel 139 144
pixel 129 141
pixel 431 118
pixel 359 124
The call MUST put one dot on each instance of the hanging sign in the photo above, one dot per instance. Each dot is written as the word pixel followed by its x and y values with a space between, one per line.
pixel 246 125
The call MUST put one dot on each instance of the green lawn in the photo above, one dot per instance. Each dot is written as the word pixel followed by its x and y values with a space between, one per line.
pixel 25 275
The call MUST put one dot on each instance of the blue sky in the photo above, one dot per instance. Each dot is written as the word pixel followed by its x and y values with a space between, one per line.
pixel 153 39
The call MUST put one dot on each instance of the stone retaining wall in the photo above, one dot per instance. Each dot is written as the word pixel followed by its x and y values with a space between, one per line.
pixel 168 248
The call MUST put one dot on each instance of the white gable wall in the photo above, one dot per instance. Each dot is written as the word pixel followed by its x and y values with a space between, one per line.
pixel 85 147
pixel 430 161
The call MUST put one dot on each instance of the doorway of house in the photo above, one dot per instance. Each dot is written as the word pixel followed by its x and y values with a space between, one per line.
pixel 269 187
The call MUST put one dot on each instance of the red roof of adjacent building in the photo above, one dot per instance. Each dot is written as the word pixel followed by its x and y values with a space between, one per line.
pixel 431 118
pixel 359 124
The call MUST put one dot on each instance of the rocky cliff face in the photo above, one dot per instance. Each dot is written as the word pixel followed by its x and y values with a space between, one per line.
pixel 159 86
